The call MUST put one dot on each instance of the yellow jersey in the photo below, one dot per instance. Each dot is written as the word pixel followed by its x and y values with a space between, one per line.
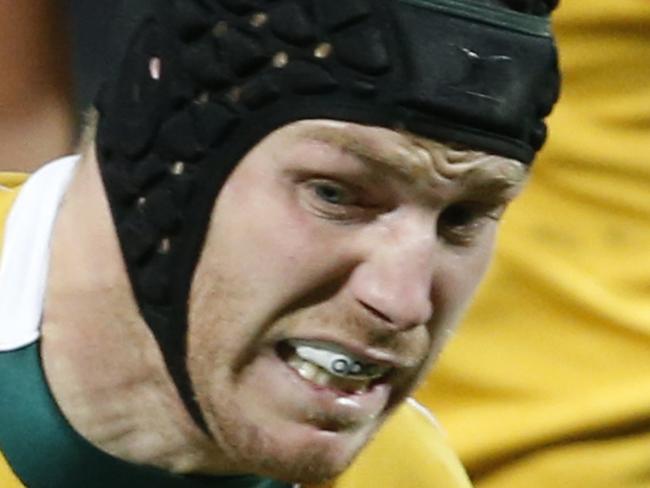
pixel 9 183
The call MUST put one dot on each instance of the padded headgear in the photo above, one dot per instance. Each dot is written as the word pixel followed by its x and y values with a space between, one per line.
pixel 202 81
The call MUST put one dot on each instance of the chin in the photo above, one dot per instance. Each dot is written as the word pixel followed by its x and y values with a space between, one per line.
pixel 313 465
pixel 293 452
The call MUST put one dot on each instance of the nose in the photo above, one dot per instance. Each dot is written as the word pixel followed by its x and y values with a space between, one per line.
pixel 395 281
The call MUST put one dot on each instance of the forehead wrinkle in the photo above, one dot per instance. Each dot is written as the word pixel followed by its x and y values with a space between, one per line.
pixel 444 162
pixel 482 174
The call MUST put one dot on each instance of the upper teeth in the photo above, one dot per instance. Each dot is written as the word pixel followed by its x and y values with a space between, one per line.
pixel 337 362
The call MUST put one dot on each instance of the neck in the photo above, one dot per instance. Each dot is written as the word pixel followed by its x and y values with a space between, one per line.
pixel 102 363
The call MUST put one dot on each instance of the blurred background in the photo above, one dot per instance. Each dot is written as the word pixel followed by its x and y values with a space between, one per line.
pixel 53 54
pixel 547 384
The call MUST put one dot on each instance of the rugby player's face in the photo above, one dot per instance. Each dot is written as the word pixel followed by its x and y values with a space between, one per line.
pixel 338 261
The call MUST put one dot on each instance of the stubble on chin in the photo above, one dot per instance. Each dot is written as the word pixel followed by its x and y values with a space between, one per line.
pixel 251 448
pixel 245 442
pixel 246 445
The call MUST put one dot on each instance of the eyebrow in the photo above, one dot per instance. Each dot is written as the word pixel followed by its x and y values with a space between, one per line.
pixel 358 145
pixel 397 162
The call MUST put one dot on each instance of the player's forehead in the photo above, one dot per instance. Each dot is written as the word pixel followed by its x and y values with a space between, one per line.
pixel 413 159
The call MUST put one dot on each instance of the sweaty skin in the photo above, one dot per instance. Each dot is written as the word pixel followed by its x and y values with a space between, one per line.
pixel 355 237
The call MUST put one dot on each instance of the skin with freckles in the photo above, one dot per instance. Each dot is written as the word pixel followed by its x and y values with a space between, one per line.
pixel 357 237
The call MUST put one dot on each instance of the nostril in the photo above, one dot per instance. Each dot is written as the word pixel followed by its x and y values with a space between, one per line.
pixel 376 312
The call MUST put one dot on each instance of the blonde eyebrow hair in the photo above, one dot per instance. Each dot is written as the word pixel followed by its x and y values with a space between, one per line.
pixel 418 160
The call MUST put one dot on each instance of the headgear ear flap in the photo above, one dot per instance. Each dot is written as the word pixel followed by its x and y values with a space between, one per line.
pixel 202 81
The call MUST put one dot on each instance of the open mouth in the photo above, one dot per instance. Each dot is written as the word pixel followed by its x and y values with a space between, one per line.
pixel 329 366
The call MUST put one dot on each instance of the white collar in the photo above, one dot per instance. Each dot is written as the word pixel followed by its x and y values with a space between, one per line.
pixel 26 252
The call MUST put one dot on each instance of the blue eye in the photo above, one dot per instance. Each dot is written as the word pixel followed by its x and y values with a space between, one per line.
pixel 331 193
pixel 332 200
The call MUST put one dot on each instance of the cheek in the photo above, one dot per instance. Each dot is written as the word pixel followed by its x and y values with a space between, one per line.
pixel 455 287
pixel 268 245
pixel 278 247
pixel 462 273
